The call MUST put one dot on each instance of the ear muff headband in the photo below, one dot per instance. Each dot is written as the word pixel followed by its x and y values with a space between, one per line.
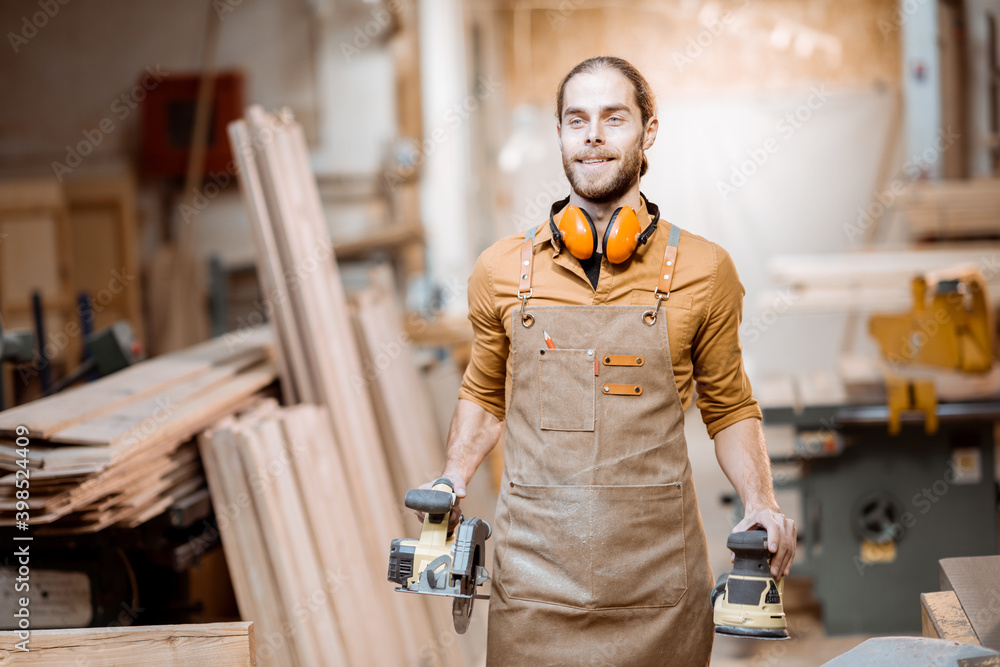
pixel 577 233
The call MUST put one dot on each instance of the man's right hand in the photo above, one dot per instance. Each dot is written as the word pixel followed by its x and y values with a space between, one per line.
pixel 458 481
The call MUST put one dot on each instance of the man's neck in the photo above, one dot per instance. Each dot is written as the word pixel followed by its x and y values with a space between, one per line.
pixel 601 211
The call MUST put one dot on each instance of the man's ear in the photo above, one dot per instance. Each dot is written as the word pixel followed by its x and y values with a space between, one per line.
pixel 650 133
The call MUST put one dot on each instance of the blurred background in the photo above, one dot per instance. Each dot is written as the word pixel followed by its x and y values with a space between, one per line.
pixel 845 153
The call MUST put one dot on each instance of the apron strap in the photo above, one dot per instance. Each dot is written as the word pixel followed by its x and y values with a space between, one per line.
pixel 669 260
pixel 666 275
pixel 524 283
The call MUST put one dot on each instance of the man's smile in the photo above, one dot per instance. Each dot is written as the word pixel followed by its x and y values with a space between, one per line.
pixel 593 163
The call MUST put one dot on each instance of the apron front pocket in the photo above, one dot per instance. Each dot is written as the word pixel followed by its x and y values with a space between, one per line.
pixel 566 383
pixel 596 547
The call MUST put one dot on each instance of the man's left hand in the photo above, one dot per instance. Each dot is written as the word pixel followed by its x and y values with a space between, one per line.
pixel 781 537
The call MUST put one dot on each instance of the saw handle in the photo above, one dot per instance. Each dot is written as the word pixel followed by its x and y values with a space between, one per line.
pixel 436 502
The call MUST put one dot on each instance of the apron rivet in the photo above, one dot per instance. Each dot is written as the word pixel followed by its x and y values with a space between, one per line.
pixel 637 390
pixel 526 262
pixel 607 360
pixel 607 388
pixel 666 276
pixel 638 360
pixel 524 276
pixel 590 353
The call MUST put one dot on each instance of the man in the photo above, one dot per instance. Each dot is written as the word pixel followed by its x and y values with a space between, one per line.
pixel 586 350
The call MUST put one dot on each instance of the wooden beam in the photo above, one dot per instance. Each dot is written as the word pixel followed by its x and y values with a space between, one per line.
pixel 942 617
pixel 216 644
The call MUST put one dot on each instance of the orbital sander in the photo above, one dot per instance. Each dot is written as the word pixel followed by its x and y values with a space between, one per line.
pixel 448 564
pixel 747 600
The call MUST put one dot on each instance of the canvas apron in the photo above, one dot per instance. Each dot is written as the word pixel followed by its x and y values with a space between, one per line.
pixel 600 554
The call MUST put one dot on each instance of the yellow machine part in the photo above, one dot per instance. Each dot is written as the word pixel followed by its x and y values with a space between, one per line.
pixel 433 542
pixel 760 615
pixel 953 329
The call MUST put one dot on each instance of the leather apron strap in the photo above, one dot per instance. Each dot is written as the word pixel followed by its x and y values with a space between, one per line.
pixel 524 283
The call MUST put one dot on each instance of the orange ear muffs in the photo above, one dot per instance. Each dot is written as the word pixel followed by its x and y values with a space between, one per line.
pixel 622 235
pixel 577 232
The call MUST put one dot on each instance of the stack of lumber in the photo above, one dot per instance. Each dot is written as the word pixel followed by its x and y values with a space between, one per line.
pixel 953 209
pixel 320 363
pixel 118 451
pixel 216 644
pixel 292 542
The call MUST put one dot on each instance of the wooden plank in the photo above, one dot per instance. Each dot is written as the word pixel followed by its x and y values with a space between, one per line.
pixel 976 583
pixel 216 644
pixel 133 419
pixel 47 415
pixel 293 368
pixel 253 578
pixel 942 617
pixel 289 551
pixel 183 423
pixel 406 417
pixel 357 592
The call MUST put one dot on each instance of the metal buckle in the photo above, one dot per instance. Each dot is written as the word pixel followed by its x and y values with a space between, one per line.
pixel 527 319
pixel 649 317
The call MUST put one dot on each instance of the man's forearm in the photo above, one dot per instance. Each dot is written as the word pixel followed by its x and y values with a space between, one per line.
pixel 473 433
pixel 742 454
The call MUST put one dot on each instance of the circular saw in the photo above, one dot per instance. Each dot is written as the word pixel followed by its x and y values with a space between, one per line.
pixel 440 562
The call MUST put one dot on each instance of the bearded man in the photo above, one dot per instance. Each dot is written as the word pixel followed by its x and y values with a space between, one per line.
pixel 591 331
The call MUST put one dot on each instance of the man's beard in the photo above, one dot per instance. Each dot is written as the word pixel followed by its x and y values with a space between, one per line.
pixel 604 187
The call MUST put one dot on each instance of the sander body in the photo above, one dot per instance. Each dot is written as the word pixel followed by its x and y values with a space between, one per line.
pixel 747 600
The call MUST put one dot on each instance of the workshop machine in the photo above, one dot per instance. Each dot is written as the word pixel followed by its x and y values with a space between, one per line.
pixel 747 601
pixel 899 475
pixel 448 564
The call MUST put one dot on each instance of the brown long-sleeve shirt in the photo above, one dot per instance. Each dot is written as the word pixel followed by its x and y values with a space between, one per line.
pixel 703 315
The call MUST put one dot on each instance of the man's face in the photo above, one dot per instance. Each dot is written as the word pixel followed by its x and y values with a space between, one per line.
pixel 601 135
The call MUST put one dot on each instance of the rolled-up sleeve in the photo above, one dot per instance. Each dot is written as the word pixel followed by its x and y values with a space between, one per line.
pixel 724 393
pixel 486 374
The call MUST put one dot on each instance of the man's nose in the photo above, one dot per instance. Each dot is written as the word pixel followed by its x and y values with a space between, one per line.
pixel 596 135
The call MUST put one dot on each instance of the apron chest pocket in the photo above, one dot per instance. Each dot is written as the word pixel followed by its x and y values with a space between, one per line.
pixel 566 386
pixel 596 547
